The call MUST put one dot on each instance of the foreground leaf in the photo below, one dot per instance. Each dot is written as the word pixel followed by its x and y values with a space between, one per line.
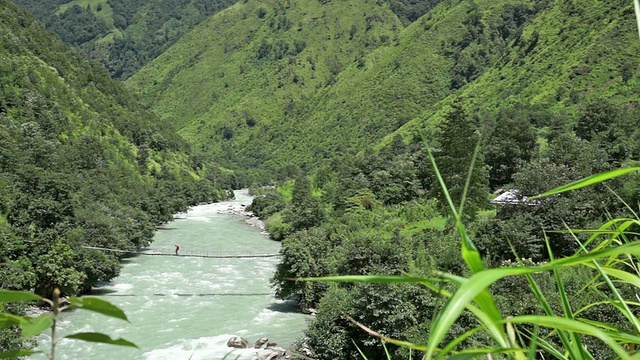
pixel 13 296
pixel 98 305
pixel 34 326
pixel 16 354
pixel 580 327
pixel 101 338
pixel 8 320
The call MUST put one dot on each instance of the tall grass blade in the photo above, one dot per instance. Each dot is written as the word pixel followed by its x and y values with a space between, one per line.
pixel 533 285
pixel 635 215
pixel 574 326
pixel 360 351
pixel 470 253
pixel 574 347
pixel 533 346
pixel 469 175
pixel 590 180
pixel 537 291
pixel 623 275
pixel 626 277
pixel 443 186
pixel 636 4
pixel 546 346
pixel 472 258
pixel 604 302
pixel 386 351
pixel 447 350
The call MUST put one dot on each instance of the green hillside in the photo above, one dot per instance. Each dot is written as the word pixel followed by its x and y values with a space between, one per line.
pixel 81 164
pixel 235 93
pixel 564 56
pixel 292 83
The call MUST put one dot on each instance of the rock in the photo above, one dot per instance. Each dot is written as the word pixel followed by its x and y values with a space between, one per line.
pixel 304 349
pixel 263 354
pixel 275 353
pixel 258 344
pixel 270 345
pixel 238 342
pixel 310 311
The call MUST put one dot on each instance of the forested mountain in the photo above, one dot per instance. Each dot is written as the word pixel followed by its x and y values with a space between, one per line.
pixel 82 163
pixel 298 82
pixel 122 34
pixel 236 93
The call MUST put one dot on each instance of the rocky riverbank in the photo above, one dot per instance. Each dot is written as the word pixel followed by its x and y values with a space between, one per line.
pixel 265 350
pixel 249 217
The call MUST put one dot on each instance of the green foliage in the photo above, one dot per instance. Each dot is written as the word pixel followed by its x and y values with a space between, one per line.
pixel 487 53
pixel 362 235
pixel 77 25
pixel 30 326
pixel 395 316
pixel 411 10
pixel 266 205
pixel 340 91
pixel 304 253
pixel 304 211
pixel 57 271
pixel 278 229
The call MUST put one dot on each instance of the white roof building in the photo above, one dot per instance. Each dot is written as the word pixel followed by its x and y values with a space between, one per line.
pixel 513 197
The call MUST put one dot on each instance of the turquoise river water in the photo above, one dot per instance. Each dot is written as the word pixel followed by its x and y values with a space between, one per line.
pixel 188 307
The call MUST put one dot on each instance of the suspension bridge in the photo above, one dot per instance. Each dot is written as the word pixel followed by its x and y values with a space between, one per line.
pixel 186 253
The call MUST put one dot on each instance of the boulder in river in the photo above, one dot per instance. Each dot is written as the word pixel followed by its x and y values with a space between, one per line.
pixel 275 353
pixel 258 344
pixel 238 342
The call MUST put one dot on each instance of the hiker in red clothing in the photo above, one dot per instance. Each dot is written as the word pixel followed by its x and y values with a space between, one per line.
pixel 177 248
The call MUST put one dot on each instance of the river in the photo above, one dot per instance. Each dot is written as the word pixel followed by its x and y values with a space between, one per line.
pixel 188 307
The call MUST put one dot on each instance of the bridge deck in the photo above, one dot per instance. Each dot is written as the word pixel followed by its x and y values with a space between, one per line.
pixel 181 253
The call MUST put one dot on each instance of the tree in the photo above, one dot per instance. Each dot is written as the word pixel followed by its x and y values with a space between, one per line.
pixel 304 255
pixel 304 211
pixel 597 117
pixel 512 143
pixel 458 138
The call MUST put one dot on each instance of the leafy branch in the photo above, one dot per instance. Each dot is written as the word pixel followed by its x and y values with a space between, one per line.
pixel 32 326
